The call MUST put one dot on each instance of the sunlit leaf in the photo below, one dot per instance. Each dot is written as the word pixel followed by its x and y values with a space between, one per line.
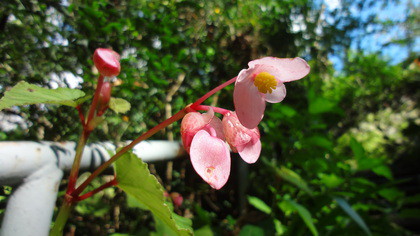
pixel 204 231
pixel 353 214
pixel 119 105
pixel 330 180
pixel 259 204
pixel 134 178
pixel 27 94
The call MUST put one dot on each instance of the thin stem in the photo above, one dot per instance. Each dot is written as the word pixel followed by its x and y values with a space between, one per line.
pixel 213 91
pixel 81 116
pixel 92 108
pixel 102 187
pixel 61 219
pixel 215 109
pixel 76 163
pixel 144 136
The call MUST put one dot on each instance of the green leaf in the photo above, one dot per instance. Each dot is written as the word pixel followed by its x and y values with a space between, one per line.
pixel 280 228
pixel 119 105
pixel 320 141
pixel 384 171
pixel 353 214
pixel 330 180
pixel 321 105
pixel 303 213
pixel 204 231
pixel 357 148
pixel 391 194
pixel 27 94
pixel 259 204
pixel 250 230
pixel 134 178
pixel 293 178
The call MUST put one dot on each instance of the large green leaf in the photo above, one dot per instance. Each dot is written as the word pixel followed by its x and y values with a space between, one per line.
pixel 352 213
pixel 303 213
pixel 134 178
pixel 26 94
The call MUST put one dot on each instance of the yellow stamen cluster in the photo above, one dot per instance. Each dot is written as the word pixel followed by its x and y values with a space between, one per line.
pixel 265 82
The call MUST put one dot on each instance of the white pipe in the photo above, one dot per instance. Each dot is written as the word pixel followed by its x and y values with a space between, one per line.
pixel 31 206
pixel 38 168
pixel 21 159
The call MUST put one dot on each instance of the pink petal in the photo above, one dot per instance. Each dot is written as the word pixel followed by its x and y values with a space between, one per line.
pixel 277 95
pixel 242 140
pixel 249 104
pixel 217 125
pixel 192 123
pixel 251 151
pixel 210 158
pixel 243 75
pixel 284 69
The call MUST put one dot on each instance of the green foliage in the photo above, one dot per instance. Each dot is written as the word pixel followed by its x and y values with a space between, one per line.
pixel 134 178
pixel 259 204
pixel 350 134
pixel 119 105
pixel 28 94
pixel 290 205
pixel 353 214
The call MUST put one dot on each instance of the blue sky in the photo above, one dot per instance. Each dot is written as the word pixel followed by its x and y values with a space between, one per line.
pixel 371 41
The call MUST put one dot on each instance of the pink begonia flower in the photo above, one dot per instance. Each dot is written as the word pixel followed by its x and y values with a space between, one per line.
pixel 202 136
pixel 242 140
pixel 210 158
pixel 194 122
pixel 263 81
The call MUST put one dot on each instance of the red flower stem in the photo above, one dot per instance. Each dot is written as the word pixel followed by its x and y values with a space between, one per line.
pixel 102 187
pixel 95 100
pixel 213 91
pixel 215 109
pixel 144 136
pixel 81 116
pixel 74 173
pixel 76 163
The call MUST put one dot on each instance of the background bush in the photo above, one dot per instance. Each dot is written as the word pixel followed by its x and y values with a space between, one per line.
pixel 345 140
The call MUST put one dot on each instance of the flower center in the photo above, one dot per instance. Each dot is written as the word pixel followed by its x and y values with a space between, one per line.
pixel 265 82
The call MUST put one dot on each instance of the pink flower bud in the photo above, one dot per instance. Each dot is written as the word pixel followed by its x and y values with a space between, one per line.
pixel 177 199
pixel 103 99
pixel 194 122
pixel 241 139
pixel 107 62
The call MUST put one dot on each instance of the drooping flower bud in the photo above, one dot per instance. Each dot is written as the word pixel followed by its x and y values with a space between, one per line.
pixel 194 122
pixel 177 199
pixel 242 140
pixel 107 62
pixel 103 99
